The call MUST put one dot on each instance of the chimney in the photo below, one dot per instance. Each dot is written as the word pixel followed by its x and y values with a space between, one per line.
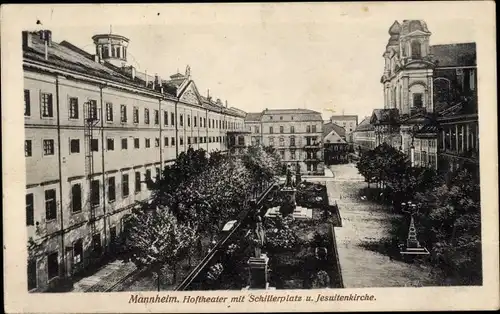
pixel 157 80
pixel 27 39
pixel 46 36
pixel 226 103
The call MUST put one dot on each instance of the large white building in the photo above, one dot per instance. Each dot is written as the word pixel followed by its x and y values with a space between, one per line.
pixel 95 128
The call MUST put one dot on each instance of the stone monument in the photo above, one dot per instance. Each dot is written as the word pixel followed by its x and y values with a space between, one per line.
pixel 413 247
pixel 288 193
pixel 258 264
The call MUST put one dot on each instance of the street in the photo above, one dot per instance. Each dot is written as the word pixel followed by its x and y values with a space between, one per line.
pixel 364 222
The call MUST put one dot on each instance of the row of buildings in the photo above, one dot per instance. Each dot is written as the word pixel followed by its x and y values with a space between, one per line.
pixel 96 128
pixel 430 107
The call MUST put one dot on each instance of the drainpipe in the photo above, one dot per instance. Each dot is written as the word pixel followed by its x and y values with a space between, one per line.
pixel 206 129
pixel 103 170
pixel 61 210
pixel 176 132
pixel 160 139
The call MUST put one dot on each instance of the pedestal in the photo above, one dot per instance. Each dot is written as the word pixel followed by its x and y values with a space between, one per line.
pixel 258 271
pixel 289 202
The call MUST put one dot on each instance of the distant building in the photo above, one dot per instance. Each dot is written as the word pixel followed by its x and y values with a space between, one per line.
pixel 335 147
pixel 348 122
pixel 364 135
pixel 295 133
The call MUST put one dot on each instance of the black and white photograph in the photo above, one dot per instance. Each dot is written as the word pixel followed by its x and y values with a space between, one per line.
pixel 316 153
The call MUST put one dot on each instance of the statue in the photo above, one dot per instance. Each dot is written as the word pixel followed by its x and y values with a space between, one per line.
pixel 260 236
pixel 288 177
pixel 298 177
pixel 188 71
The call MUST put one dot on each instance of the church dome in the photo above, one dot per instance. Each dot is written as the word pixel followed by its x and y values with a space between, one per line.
pixel 410 26
pixel 395 29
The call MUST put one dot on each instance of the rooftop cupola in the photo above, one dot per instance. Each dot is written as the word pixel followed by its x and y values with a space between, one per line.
pixel 111 48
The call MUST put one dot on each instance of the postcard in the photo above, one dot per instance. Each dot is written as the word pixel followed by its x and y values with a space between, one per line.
pixel 250 157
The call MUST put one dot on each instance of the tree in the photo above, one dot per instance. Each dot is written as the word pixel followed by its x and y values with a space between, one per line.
pixel 157 240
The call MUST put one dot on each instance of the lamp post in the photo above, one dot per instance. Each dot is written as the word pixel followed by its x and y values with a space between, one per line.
pixel 412 247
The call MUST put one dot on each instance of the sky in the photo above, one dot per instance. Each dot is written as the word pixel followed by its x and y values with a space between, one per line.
pixel 318 61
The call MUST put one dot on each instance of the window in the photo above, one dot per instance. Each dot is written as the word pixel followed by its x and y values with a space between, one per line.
pixel 172 141
pixel 417 100
pixel 92 110
pixel 292 155
pixel 32 284
pixel 314 129
pixel 194 121
pixel 50 204
pixel 204 122
pixel 416 50
pixel 123 113
pixel 73 108
pixel 165 117
pixel 189 120
pixel 195 140
pixel 201 122
pixel 292 141
pixel 27 148
pixel 148 143
pixel 105 51
pixel 271 130
pixel 209 123
pixel 137 182
pixel 27 103
pixel 282 154
pixel 148 174
pixel 125 189
pixel 111 189
pixel 136 115
pixel 282 141
pixel 146 115
pixel 172 119
pixel 204 139
pixel 189 140
pixel 181 120
pixel 74 146
pixel 94 144
pixel 48 147
pixel 210 139
pixel 78 252
pixel 94 193
pixel 46 104
pixel 76 198
pixel 165 141
pixel 136 142
pixel 53 265
pixel 109 112
pixel 292 129
pixel 157 142
pixel 157 117
pixel 308 129
pixel 271 141
pixel 256 129
pixel 201 139
pixel 158 173
pixel 181 140
pixel 111 144
pixel 96 244
pixel 281 118
pixel 124 143
pixel 30 212
pixel 282 129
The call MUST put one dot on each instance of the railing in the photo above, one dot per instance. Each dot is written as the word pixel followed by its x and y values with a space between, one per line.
pixel 265 189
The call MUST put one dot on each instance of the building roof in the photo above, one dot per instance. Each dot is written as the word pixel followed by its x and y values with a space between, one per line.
pixel 451 55
pixel 67 56
pixel 253 116
pixel 384 116
pixel 343 117
pixel 330 126
pixel 289 115
pixel 333 137
pixel 365 125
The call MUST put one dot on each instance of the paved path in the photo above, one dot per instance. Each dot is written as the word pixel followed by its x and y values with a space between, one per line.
pixel 105 278
pixel 363 221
